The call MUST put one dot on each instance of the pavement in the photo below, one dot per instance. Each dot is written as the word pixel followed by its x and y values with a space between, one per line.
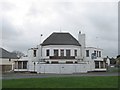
pixel 35 75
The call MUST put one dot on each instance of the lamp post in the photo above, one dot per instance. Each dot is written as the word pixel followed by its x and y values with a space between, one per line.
pixel 40 58
pixel 41 47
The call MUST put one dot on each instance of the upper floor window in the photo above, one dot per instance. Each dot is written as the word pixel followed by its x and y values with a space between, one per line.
pixel 56 52
pixel 75 52
pixel 34 53
pixel 94 52
pixel 47 52
pixel 62 52
pixel 87 53
pixel 68 52
pixel 99 53
pixel 9 59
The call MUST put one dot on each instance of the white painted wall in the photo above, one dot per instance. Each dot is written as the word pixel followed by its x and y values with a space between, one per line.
pixel 62 68
pixel 52 47
pixel 5 61
pixel 91 50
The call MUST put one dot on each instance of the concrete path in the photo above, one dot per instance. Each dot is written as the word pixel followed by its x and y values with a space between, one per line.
pixel 34 75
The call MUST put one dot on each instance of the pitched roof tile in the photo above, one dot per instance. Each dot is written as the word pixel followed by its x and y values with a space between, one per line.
pixel 60 39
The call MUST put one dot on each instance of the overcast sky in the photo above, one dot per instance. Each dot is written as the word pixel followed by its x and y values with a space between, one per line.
pixel 24 20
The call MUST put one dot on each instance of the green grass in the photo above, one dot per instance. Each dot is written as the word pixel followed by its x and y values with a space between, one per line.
pixel 63 82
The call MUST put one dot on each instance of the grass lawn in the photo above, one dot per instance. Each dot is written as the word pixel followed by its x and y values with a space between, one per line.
pixel 63 82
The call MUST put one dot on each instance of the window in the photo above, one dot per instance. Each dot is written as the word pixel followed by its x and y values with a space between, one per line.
pixel 19 65
pixel 62 52
pixel 99 53
pixel 69 62
pixel 76 62
pixel 56 52
pixel 94 52
pixel 54 62
pixel 9 59
pixel 47 52
pixel 47 62
pixel 25 65
pixel 75 52
pixel 34 53
pixel 96 64
pixel 87 53
pixel 101 64
pixel 16 65
pixel 68 52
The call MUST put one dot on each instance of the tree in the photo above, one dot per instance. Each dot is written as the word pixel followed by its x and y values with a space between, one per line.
pixel 118 56
pixel 118 60
pixel 112 61
pixel 18 53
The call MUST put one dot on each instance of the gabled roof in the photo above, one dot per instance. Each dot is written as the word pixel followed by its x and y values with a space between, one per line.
pixel 5 54
pixel 60 39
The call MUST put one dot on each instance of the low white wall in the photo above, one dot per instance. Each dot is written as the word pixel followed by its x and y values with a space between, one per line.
pixel 20 70
pixel 62 68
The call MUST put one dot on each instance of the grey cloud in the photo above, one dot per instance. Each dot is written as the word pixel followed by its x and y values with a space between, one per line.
pixel 6 6
pixel 9 31
pixel 93 21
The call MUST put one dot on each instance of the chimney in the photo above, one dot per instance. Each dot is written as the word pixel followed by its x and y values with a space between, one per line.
pixel 81 40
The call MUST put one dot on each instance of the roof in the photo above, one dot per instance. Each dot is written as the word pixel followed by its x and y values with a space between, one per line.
pixel 5 54
pixel 60 39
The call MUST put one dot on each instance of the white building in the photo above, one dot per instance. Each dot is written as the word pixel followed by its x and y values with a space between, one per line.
pixel 62 53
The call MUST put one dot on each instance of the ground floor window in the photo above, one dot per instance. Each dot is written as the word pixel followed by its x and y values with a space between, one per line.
pixel 54 62
pixel 96 64
pixel 101 64
pixel 25 65
pixel 68 62
pixel 21 65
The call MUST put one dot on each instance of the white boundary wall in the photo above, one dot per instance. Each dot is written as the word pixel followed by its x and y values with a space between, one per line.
pixel 62 68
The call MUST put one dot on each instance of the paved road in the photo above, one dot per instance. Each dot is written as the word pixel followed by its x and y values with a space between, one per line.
pixel 34 75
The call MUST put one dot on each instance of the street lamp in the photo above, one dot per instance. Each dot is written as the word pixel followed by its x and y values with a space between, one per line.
pixel 40 58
